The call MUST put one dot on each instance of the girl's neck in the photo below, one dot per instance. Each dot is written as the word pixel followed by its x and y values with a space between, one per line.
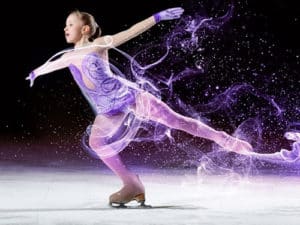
pixel 82 43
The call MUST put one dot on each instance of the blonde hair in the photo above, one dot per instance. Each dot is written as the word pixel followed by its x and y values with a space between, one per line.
pixel 90 21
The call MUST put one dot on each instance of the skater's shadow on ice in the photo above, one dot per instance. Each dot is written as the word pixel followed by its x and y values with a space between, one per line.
pixel 177 207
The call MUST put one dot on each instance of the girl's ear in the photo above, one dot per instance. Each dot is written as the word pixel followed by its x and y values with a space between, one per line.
pixel 85 29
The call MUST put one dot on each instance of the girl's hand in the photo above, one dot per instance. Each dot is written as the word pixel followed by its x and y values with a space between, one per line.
pixel 169 14
pixel 31 78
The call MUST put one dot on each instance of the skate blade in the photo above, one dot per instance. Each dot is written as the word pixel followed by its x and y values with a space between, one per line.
pixel 123 206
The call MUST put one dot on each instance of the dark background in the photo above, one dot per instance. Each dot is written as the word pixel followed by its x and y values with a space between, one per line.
pixel 46 121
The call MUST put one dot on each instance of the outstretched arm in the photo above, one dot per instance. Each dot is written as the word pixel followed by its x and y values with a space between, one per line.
pixel 48 67
pixel 135 30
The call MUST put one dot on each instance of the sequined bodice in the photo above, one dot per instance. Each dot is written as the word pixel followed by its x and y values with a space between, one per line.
pixel 109 93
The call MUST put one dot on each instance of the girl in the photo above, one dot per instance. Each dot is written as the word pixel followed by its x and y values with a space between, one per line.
pixel 119 103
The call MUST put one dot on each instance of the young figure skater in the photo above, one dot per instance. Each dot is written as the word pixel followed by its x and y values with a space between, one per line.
pixel 113 98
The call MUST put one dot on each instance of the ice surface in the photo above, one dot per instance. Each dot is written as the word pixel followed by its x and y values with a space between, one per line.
pixel 80 195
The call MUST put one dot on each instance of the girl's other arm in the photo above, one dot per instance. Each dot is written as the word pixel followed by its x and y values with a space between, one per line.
pixel 48 67
pixel 138 28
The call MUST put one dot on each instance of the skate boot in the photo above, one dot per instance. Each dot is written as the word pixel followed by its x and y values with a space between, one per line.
pixel 234 144
pixel 133 190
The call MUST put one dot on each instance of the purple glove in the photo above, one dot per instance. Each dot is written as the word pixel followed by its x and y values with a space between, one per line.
pixel 31 77
pixel 168 14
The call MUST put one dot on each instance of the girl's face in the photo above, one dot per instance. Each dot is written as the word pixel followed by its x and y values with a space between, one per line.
pixel 73 29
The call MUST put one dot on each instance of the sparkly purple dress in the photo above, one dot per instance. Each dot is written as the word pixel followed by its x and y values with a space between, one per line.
pixel 109 95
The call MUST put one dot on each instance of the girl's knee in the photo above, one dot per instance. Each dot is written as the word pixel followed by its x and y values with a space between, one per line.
pixel 95 143
pixel 97 147
pixel 92 143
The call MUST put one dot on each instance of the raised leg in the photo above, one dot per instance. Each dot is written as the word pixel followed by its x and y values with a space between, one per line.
pixel 149 107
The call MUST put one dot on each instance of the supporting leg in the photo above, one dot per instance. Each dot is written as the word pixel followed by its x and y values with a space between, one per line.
pixel 133 188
